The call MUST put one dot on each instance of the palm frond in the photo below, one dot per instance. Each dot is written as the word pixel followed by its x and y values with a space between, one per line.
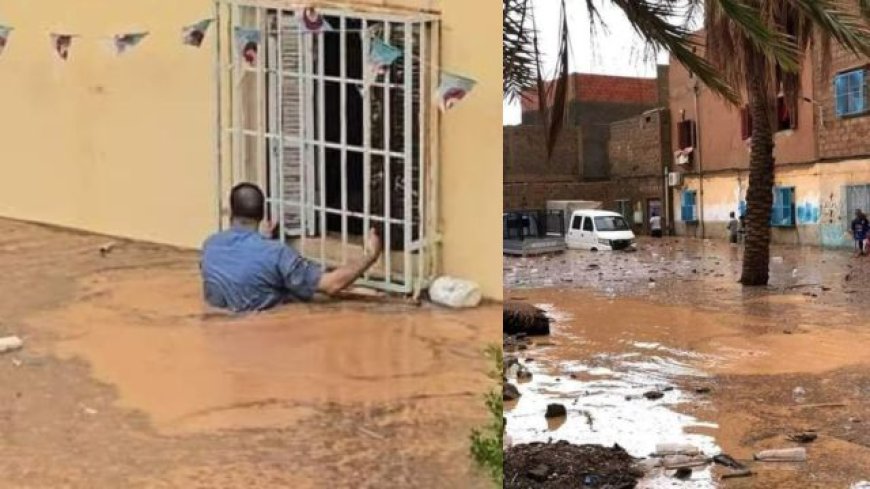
pixel 652 22
pixel 519 60
pixel 848 29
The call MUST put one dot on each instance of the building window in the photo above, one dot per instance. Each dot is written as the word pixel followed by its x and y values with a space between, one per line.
pixel 689 206
pixel 623 207
pixel 686 134
pixel 850 92
pixel 785 120
pixel 336 150
pixel 783 211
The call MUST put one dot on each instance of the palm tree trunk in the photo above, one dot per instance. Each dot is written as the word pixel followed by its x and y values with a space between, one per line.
pixel 759 195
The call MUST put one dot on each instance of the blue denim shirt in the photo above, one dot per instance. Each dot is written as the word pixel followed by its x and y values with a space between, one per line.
pixel 243 271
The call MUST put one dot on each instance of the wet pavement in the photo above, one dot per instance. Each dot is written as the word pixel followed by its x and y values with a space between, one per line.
pixel 127 380
pixel 671 318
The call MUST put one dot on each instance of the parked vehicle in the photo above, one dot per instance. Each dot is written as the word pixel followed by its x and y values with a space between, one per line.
pixel 533 232
pixel 599 231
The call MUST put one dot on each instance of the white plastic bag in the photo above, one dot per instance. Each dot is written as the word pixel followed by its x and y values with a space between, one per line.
pixel 454 292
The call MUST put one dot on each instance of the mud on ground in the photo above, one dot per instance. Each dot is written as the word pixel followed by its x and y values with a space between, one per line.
pixel 672 318
pixel 126 380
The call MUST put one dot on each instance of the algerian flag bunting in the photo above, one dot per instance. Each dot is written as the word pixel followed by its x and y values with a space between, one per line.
pixel 194 34
pixel 248 43
pixel 312 21
pixel 452 89
pixel 62 44
pixel 4 36
pixel 124 42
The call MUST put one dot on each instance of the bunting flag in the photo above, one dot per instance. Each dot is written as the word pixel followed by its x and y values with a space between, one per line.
pixel 248 41
pixel 381 56
pixel 61 44
pixel 312 22
pixel 4 36
pixel 452 89
pixel 194 34
pixel 123 42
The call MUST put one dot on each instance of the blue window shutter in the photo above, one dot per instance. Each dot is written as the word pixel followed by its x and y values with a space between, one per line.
pixel 860 100
pixel 840 93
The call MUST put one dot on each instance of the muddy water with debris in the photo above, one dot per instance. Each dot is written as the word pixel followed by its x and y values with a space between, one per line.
pixel 670 318
pixel 127 380
pixel 189 368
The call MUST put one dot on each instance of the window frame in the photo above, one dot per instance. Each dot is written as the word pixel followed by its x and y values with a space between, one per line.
pixel 864 88
pixel 779 210
pixel 684 206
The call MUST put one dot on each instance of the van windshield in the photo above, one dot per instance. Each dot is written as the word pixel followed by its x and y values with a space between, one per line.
pixel 611 223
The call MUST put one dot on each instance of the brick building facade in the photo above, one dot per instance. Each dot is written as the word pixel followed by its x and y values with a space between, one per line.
pixel 822 155
pixel 612 149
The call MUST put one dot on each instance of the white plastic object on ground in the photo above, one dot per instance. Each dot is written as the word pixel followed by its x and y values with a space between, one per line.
pixel 454 292
pixel 783 455
pixel 663 449
pixel 10 343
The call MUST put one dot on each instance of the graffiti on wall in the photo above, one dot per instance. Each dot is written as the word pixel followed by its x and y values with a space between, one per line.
pixel 831 229
pixel 808 213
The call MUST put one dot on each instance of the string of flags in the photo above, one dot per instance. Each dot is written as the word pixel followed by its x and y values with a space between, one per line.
pixel 380 57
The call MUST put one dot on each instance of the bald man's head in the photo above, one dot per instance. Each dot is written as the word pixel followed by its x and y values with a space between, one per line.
pixel 247 202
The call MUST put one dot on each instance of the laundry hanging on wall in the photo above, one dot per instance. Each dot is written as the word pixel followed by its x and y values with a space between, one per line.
pixel 124 42
pixel 194 34
pixel 312 21
pixel 452 89
pixel 62 44
pixel 248 44
pixel 5 31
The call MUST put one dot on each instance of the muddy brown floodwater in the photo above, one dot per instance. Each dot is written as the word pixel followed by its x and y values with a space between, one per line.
pixel 127 380
pixel 671 318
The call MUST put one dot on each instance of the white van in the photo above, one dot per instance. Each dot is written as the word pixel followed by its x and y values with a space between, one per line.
pixel 599 230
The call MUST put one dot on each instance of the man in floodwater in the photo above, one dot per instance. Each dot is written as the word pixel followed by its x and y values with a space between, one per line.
pixel 243 271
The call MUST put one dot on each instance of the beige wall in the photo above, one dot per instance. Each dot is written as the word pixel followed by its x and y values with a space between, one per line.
pixel 125 145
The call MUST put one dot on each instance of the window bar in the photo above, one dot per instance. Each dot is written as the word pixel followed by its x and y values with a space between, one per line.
pixel 422 250
pixel 218 118
pixel 307 108
pixel 321 138
pixel 342 52
pixel 279 122
pixel 262 142
pixel 388 269
pixel 434 151
pixel 235 80
pixel 300 100
pixel 408 160
pixel 367 139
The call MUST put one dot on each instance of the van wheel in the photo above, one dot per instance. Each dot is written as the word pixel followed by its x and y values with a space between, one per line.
pixel 594 249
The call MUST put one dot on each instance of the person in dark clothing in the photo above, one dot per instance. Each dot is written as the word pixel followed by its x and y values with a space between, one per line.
pixel 733 229
pixel 859 229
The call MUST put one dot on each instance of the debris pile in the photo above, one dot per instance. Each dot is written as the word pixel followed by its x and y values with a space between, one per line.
pixel 562 465
pixel 520 317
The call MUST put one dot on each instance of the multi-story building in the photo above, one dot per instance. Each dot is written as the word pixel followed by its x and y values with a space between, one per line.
pixel 612 148
pixel 822 155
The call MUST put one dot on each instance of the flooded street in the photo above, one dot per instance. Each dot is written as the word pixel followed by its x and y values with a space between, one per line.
pixel 663 346
pixel 127 380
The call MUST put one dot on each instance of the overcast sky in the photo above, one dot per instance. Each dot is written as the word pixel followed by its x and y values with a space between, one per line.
pixel 619 51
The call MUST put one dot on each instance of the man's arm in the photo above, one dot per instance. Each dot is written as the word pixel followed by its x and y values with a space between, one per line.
pixel 339 279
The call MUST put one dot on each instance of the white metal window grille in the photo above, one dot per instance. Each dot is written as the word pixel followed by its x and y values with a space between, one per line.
pixel 337 151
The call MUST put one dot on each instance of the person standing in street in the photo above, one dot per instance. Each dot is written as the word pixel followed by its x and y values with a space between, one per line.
pixel 655 225
pixel 733 229
pixel 859 228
